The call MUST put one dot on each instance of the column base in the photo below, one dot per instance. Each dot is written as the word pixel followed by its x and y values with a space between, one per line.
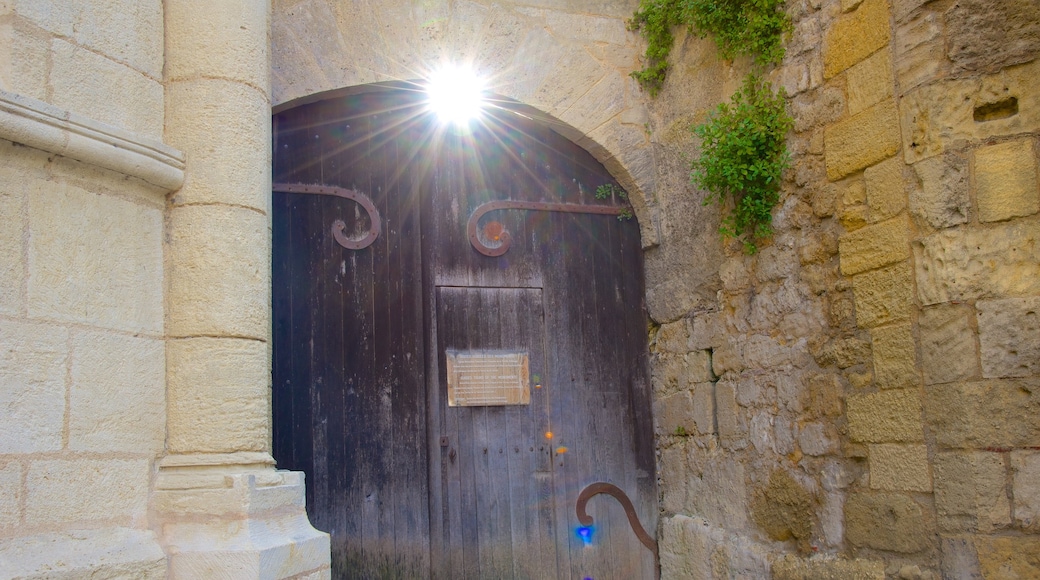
pixel 236 521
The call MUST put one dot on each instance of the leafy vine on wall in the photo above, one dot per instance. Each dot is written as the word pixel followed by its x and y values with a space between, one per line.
pixel 743 142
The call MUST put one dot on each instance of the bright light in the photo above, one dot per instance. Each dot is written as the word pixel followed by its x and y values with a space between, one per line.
pixel 456 95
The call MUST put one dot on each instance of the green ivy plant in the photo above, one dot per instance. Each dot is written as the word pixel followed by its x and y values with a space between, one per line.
pixel 743 155
pixel 608 191
pixel 743 143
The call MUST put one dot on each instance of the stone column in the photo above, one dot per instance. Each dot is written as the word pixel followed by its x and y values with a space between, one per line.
pixel 222 508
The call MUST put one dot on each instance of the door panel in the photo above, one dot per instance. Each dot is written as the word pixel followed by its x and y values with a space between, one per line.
pixel 409 486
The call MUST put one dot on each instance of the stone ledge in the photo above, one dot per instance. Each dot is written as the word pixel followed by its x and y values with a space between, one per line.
pixel 43 126
pixel 104 553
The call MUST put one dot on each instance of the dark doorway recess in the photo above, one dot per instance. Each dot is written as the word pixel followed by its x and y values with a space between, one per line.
pixel 384 296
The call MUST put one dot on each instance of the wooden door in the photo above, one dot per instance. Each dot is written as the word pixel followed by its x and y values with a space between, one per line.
pixel 410 483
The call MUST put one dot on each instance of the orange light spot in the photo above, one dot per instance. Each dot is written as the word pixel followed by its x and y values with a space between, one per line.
pixel 548 434
pixel 561 450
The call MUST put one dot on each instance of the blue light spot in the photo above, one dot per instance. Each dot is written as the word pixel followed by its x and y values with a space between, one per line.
pixel 585 533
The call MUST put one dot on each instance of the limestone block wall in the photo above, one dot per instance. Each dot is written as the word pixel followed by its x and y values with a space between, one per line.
pixel 82 356
pixel 860 399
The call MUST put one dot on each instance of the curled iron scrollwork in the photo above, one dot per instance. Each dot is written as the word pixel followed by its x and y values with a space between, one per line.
pixel 338 226
pixel 498 233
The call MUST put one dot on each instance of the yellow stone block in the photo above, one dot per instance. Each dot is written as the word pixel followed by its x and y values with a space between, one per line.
pixel 856 36
pixel 1008 557
pixel 74 490
pixel 861 140
pixel 895 358
pixel 10 494
pixel 1005 181
pixel 874 246
pixel 884 295
pixel 12 226
pixel 896 467
pixel 892 416
pixel 886 189
pixel 33 363
pixel 870 81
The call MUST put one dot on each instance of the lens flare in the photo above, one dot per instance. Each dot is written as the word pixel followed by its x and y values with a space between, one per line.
pixel 584 533
pixel 456 94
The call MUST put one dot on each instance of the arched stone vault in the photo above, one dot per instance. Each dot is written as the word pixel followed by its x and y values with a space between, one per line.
pixel 573 68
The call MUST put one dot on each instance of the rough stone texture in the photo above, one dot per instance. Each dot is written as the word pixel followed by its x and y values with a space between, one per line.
pixel 784 509
pixel 218 390
pixel 12 258
pixel 117 400
pixel 870 81
pixel 732 422
pixel 899 468
pixel 109 553
pixel 895 356
pixel 94 259
pixel 886 521
pixel 691 548
pixel 33 363
pixel 219 271
pixel 1008 331
pixel 240 30
pixel 960 560
pixel 856 36
pixel 886 189
pixel 938 116
pixel 986 35
pixel 1006 181
pixel 10 495
pixel 87 83
pixel 971 491
pixel 920 52
pixel 972 263
pixel 1008 557
pixel 883 296
pixel 1025 469
pixel 862 140
pixel 941 199
pixel 223 145
pixel 886 416
pixel 948 349
pixel 103 489
pixel 790 567
pixel 874 246
pixel 984 414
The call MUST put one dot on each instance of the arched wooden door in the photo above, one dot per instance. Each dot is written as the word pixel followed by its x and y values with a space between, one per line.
pixel 451 375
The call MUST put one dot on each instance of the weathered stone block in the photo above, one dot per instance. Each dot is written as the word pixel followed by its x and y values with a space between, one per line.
pixel 870 81
pixel 973 263
pixel 989 34
pixel 705 328
pixel 10 495
pixel 674 414
pixel 817 439
pixel 886 416
pixel 704 407
pixel 861 140
pixel 685 547
pixel 673 336
pixel 100 552
pixel 732 422
pixel 816 108
pixel 982 414
pixel 227 147
pixel 960 561
pixel 240 30
pixel 666 373
pixel 219 267
pixel 827 394
pixel 920 53
pixel 94 259
pixel 1005 181
pixel 711 470
pixel 33 362
pixel 971 491
pixel 1008 557
pixel 118 396
pixel 218 395
pixel 792 567
pixel 899 468
pixel 886 521
pixel 941 199
pixel 886 188
pixel 855 36
pixel 73 490
pixel 938 115
pixel 948 351
pixel 1025 469
pixel 672 469
pixel 844 352
pixel 92 85
pixel 784 509
pixel 895 356
pixel 1008 331
pixel 12 224
pixel 883 296
pixel 875 246
pixel 24 47
pixel 123 30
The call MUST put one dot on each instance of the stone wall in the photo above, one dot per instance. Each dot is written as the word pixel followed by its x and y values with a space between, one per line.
pixel 82 356
pixel 861 394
